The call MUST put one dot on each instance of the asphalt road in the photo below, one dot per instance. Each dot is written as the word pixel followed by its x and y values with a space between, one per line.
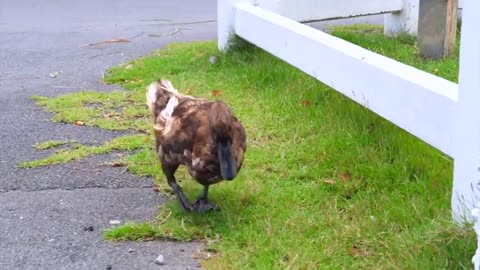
pixel 43 211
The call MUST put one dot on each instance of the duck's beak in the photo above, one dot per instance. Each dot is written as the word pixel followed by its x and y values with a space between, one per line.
pixel 228 166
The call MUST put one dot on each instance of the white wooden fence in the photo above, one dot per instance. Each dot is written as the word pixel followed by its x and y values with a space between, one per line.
pixel 444 114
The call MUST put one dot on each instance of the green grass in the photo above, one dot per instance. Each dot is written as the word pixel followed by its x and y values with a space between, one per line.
pixel 124 143
pixel 326 183
pixel 49 144
pixel 118 110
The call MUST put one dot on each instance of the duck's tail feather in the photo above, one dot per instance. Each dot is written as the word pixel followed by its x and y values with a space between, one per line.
pixel 159 95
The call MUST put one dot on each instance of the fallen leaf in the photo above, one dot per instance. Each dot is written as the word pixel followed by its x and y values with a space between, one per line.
pixel 360 251
pixel 346 176
pixel 216 93
pixel 329 182
pixel 118 164
pixel 355 251
pixel 202 255
pixel 79 123
pixel 306 102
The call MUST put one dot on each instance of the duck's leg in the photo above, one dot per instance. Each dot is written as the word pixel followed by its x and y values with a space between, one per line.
pixel 169 171
pixel 202 205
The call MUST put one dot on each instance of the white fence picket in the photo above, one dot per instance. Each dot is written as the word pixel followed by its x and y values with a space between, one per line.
pixel 467 119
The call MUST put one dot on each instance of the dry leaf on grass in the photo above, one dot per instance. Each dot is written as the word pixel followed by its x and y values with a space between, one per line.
pixel 329 182
pixel 79 123
pixel 355 251
pixel 359 251
pixel 346 176
pixel 306 102
pixel 216 93
pixel 202 255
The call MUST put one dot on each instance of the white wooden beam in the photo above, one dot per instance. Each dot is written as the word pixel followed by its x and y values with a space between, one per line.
pixel 403 21
pixel 225 21
pixel 318 10
pixel 414 100
pixel 467 118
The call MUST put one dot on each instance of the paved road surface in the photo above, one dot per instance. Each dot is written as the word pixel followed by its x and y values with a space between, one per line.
pixel 43 211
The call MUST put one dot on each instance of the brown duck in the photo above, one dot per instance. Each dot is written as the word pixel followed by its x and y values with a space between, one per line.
pixel 203 135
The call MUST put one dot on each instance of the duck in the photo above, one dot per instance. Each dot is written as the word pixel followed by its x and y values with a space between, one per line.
pixel 203 135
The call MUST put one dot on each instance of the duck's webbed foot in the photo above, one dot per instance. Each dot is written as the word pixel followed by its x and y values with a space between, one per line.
pixel 202 205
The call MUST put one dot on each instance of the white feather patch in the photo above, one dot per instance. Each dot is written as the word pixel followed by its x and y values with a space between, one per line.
pixel 169 86
pixel 167 127
pixel 152 96
pixel 197 162
pixel 168 111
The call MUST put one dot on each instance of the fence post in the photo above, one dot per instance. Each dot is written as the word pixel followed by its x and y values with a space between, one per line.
pixel 405 21
pixel 437 27
pixel 467 119
pixel 226 21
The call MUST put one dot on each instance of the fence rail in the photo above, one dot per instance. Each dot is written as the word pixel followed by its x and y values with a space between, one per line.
pixel 421 103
